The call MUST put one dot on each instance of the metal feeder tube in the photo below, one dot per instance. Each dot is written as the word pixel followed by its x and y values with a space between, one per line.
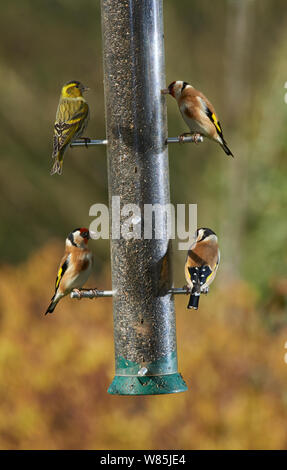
pixel 136 132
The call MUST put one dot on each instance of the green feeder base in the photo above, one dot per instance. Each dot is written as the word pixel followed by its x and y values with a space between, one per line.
pixel 147 385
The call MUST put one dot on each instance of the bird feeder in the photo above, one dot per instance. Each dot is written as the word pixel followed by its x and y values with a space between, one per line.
pixel 138 173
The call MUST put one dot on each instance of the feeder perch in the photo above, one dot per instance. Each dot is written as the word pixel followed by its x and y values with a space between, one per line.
pixel 169 140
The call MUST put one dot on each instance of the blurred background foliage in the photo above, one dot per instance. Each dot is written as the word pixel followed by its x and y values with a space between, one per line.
pixel 54 371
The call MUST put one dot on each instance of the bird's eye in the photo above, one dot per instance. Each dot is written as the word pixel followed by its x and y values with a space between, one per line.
pixel 183 86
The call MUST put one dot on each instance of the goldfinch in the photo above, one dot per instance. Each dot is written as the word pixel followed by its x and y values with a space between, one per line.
pixel 201 264
pixel 75 266
pixel 71 120
pixel 198 113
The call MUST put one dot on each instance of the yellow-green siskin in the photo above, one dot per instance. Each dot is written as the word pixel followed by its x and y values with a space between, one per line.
pixel 71 120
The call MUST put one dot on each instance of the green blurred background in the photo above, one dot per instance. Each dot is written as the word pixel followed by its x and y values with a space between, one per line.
pixel 54 371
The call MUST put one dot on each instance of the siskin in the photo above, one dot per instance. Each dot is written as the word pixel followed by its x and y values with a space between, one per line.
pixel 71 120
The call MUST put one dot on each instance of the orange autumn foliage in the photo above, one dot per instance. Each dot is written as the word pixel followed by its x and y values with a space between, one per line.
pixel 55 371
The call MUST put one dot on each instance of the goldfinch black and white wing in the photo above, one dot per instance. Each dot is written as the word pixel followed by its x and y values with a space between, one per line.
pixel 201 264
pixel 210 113
pixel 58 293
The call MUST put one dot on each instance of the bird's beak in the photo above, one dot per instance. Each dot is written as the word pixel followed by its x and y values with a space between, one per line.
pixel 86 88
pixel 165 91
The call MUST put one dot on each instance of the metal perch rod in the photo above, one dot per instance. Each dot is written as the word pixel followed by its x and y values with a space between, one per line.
pixel 169 140
pixel 95 293
pixel 185 139
pixel 90 293
pixel 88 143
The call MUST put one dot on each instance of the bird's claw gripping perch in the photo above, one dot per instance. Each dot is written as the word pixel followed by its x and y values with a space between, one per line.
pixel 94 293
pixel 195 137
pixel 87 140
pixel 205 290
pixel 182 136
pixel 187 289
pixel 78 292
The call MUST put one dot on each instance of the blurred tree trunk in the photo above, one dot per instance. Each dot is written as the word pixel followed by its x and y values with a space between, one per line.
pixel 237 94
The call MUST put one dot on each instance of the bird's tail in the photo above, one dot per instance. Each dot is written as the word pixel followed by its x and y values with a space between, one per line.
pixel 193 300
pixel 225 148
pixel 52 305
pixel 195 293
pixel 58 165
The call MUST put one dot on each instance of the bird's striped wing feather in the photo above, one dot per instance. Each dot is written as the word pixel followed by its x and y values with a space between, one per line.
pixel 70 122
pixel 63 268
pixel 213 118
pixel 210 113
pixel 199 275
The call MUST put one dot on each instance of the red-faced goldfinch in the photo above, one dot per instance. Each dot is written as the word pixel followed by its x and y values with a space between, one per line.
pixel 71 120
pixel 75 266
pixel 201 264
pixel 198 113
